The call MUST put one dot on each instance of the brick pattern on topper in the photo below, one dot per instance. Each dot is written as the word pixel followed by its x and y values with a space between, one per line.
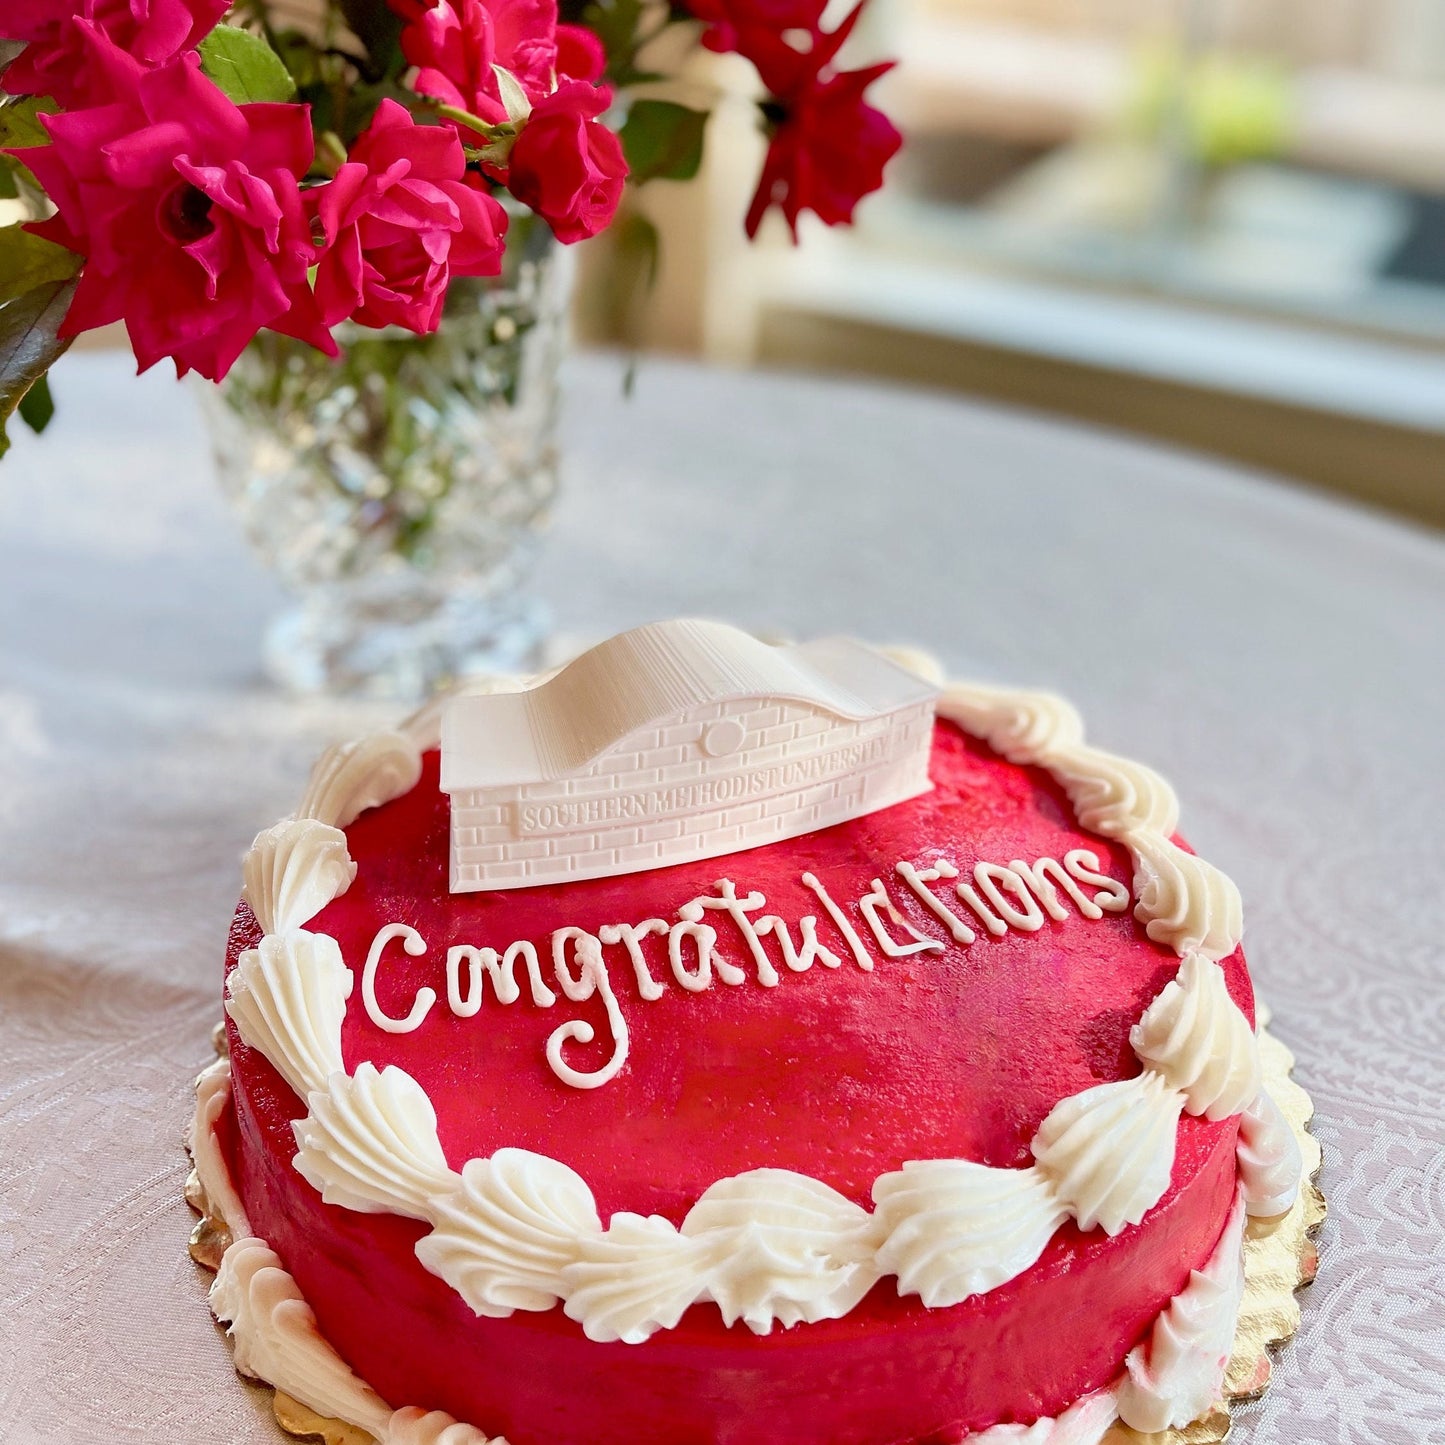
pixel 647 804
pixel 714 777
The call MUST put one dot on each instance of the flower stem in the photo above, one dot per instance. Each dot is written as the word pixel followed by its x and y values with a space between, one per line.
pixel 462 117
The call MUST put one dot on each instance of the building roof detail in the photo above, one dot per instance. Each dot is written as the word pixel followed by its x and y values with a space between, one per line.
pixel 641 678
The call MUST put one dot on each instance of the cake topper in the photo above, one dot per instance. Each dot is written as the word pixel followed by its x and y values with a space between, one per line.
pixel 672 742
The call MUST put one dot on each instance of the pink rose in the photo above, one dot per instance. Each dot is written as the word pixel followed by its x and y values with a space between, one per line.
pixel 455 43
pixel 188 211
pixel 399 221
pixel 452 47
pixel 57 58
pixel 580 54
pixel 526 41
pixel 566 165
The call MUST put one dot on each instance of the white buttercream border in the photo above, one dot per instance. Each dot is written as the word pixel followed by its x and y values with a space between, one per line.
pixel 520 1231
pixel 1183 901
pixel 1173 1376
pixel 270 1324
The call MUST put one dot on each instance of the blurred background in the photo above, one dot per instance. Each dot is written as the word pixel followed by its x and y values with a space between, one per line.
pixel 1218 222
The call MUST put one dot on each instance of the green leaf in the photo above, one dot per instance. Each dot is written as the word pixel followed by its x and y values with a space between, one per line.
pixel 634 262
pixel 20 121
pixel 639 244
pixel 17 184
pixel 245 66
pixel 19 127
pixel 663 141
pixel 29 345
pixel 28 261
pixel 37 406
pixel 9 49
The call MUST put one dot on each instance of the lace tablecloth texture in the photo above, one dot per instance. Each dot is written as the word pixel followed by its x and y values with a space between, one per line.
pixel 1281 659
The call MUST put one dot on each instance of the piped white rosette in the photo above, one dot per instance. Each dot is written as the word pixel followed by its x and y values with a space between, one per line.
pixel 1183 901
pixel 1170 1378
pixel 291 993
pixel 1103 1157
pixel 520 1231
pixel 277 1340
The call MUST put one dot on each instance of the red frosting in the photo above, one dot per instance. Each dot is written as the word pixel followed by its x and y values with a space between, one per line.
pixel 840 1074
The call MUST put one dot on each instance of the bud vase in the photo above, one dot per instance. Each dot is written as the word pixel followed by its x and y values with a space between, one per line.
pixel 399 491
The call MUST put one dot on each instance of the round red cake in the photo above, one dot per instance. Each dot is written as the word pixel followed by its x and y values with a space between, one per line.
pixel 895 1130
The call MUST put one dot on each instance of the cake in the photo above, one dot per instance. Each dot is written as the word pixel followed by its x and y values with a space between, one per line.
pixel 714 1043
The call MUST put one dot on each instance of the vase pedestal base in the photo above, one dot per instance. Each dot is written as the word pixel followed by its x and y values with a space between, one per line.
pixel 381 642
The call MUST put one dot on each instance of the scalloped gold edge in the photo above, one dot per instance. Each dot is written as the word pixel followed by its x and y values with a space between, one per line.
pixel 1280 1257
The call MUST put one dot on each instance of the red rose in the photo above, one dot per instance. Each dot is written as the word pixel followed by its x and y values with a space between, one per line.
pixel 57 58
pixel 399 221
pixel 750 27
pixel 828 147
pixel 188 211
pixel 827 152
pixel 566 165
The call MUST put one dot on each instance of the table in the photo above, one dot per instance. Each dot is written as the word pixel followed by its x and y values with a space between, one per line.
pixel 1277 656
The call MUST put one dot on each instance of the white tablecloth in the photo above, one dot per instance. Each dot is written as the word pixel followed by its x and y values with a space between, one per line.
pixel 1277 656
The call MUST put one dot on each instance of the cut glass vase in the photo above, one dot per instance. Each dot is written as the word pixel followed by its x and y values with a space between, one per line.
pixel 400 491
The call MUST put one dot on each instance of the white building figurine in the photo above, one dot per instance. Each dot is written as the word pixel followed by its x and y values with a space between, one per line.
pixel 676 741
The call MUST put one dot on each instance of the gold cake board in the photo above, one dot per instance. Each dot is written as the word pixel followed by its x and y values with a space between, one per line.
pixel 1279 1258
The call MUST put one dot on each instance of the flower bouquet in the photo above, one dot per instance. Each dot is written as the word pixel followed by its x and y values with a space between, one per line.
pixel 205 172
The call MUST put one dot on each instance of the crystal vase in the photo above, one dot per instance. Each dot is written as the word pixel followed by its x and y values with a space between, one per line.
pixel 399 492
